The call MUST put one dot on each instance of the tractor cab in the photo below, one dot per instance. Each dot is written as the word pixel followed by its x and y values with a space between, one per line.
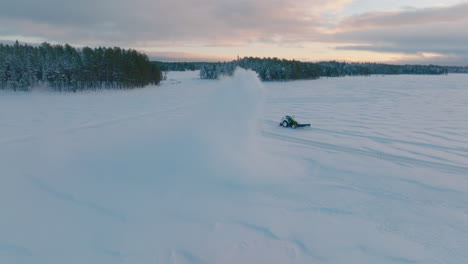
pixel 289 121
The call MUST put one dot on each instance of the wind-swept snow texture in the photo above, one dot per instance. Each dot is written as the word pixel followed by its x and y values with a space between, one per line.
pixel 197 171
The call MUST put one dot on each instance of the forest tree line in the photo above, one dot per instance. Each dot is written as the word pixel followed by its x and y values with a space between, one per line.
pixel 274 69
pixel 65 68
pixel 327 68
pixel 457 69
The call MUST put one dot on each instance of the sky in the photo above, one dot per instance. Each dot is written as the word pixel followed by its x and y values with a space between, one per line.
pixel 390 31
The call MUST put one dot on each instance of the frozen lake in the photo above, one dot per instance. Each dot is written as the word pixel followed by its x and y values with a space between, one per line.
pixel 198 171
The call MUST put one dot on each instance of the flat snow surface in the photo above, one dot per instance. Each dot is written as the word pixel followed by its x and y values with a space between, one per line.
pixel 197 171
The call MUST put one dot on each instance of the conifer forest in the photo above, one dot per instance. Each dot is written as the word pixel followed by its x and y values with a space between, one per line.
pixel 65 68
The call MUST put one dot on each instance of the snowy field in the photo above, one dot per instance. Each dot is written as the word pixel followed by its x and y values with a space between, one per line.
pixel 198 171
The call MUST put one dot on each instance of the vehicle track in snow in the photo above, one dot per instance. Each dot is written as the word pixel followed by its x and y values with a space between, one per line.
pixel 374 154
pixel 89 125
pixel 461 151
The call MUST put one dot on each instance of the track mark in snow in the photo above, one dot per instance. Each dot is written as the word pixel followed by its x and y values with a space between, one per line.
pixel 13 249
pixel 181 256
pixel 381 255
pixel 429 187
pixel 16 139
pixel 116 120
pixel 88 125
pixel 259 229
pixel 389 140
pixel 70 198
pixel 326 210
pixel 378 155
pixel 370 191
pixel 111 253
pixel 269 234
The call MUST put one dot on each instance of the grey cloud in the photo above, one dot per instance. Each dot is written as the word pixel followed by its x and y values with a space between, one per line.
pixel 184 57
pixel 441 30
pixel 164 23
pixel 432 35
pixel 406 17
pixel 127 22
pixel 408 50
pixel 450 60
pixel 55 12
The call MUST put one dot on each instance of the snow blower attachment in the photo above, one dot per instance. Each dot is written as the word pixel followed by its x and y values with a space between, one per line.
pixel 289 121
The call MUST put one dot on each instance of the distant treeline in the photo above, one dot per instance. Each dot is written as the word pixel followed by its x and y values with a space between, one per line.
pixel 457 69
pixel 65 68
pixel 274 69
pixel 268 69
pixel 333 68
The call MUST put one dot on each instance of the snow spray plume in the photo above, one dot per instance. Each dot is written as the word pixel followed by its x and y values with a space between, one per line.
pixel 222 141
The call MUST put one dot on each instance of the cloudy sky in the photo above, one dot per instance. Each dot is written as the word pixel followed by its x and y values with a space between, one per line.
pixel 393 31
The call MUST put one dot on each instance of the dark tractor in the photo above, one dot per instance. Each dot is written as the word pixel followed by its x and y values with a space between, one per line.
pixel 289 121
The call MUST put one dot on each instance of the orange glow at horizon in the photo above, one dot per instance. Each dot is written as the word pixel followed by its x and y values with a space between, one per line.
pixel 305 52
